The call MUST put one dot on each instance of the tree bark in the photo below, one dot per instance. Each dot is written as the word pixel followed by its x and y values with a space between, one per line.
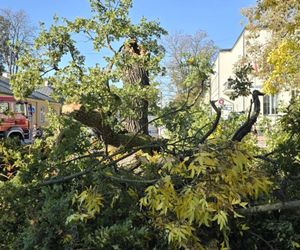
pixel 247 126
pixel 215 124
pixel 96 120
pixel 271 207
pixel 136 74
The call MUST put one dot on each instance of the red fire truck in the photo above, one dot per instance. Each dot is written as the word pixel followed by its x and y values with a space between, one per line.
pixel 14 120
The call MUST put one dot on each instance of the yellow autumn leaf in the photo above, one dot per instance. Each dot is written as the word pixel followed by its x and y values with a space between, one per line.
pixel 221 218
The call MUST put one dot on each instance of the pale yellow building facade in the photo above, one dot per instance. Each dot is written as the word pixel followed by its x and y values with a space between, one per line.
pixel 224 67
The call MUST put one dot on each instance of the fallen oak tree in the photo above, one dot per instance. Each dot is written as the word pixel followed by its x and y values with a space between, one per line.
pixel 184 188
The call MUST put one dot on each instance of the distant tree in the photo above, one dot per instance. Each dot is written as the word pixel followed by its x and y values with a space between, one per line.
pixel 1 65
pixel 16 35
pixel 188 56
pixel 3 41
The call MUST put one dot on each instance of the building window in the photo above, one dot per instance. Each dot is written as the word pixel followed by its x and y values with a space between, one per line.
pixel 270 105
pixel 42 115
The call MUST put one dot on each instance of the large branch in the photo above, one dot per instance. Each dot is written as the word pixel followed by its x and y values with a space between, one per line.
pixel 265 158
pixel 97 120
pixel 215 124
pixel 247 126
pixel 271 207
pixel 65 178
pixel 58 180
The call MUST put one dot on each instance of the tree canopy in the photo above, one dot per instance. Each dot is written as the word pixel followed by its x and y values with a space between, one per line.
pixel 16 37
pixel 189 57
pixel 278 58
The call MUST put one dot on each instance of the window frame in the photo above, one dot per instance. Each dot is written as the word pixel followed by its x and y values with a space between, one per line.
pixel 42 114
pixel 270 105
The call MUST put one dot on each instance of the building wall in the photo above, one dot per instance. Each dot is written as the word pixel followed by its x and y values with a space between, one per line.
pixel 41 109
pixel 224 68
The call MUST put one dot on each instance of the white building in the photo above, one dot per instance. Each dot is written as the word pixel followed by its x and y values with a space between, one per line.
pixel 224 66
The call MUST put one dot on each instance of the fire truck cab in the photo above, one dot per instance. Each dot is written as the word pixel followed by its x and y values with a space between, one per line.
pixel 14 120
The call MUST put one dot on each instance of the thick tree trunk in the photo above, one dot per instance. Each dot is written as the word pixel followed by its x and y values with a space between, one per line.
pixel 136 74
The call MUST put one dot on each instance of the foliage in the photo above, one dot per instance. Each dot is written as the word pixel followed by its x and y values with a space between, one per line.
pixel 278 57
pixel 285 147
pixel 203 193
pixel 241 84
pixel 66 215
pixel 284 60
pixel 185 127
pixel 281 228
pixel 190 63
pixel 89 204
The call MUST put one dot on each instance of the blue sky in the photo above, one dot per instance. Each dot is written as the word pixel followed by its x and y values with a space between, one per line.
pixel 221 19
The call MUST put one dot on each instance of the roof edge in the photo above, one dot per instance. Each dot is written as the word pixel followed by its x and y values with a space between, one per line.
pixel 230 49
